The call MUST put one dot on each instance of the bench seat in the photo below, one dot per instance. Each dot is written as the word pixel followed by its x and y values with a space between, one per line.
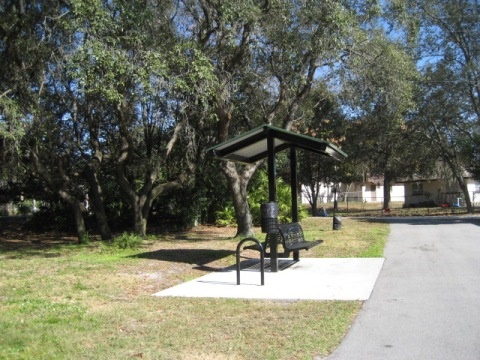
pixel 293 239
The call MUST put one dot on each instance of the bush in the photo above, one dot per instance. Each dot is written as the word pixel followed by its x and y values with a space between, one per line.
pixel 257 195
pixel 127 241
pixel 226 216
pixel 85 239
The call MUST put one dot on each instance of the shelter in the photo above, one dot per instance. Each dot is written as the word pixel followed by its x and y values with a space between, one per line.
pixel 264 142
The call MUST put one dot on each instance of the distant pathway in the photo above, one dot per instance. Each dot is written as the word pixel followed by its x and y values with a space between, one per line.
pixel 426 301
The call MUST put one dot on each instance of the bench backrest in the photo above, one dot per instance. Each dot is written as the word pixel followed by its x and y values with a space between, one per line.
pixel 291 233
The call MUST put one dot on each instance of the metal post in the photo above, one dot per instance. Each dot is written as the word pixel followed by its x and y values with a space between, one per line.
pixel 294 183
pixel 334 205
pixel 272 196
pixel 294 188
pixel 272 190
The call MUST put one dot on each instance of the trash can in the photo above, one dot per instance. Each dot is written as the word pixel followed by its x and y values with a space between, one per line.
pixel 337 223
pixel 269 217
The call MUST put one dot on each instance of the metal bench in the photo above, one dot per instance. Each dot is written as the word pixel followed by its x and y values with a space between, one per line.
pixel 292 239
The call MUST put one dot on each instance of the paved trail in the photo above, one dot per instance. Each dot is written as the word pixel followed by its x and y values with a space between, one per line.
pixel 426 301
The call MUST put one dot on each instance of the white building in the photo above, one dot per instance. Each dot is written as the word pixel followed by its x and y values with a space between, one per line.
pixel 411 193
pixel 371 191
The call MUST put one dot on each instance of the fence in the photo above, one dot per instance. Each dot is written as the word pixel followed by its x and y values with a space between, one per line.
pixel 353 205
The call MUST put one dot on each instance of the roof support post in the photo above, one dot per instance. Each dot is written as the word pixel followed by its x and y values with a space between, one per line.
pixel 294 183
pixel 272 196
pixel 272 190
pixel 294 188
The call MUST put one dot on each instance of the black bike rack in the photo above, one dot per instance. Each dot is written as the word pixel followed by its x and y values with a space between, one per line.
pixel 259 248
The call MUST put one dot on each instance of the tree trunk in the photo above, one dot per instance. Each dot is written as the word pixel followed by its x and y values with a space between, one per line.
pixel 449 156
pixel 97 202
pixel 242 212
pixel 142 199
pixel 142 205
pixel 77 213
pixel 91 174
pixel 238 184
pixel 79 222
pixel 314 189
pixel 458 173
pixel 463 186
pixel 59 188
pixel 386 191
pixel 139 218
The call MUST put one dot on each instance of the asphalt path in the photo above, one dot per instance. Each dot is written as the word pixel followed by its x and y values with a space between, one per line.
pixel 426 301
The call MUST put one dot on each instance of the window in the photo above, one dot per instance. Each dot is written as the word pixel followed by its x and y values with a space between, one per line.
pixel 417 189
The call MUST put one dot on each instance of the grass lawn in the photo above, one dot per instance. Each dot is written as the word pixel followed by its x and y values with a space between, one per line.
pixel 59 300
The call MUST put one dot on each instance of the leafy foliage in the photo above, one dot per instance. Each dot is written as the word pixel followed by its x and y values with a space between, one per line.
pixel 226 216
pixel 120 99
pixel 127 241
pixel 258 194
pixel 446 44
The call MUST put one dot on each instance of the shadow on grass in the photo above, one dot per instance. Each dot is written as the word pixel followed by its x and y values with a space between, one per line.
pixel 34 244
pixel 14 237
pixel 199 257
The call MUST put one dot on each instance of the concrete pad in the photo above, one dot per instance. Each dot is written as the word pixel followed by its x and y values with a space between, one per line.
pixel 308 279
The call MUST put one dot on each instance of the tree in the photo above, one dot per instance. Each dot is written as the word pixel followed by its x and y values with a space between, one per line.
pixel 445 35
pixel 104 83
pixel 379 88
pixel 149 86
pixel 321 118
pixel 438 117
pixel 11 133
pixel 266 56
pixel 21 61
pixel 29 56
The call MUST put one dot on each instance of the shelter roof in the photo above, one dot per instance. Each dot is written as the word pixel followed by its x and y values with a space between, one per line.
pixel 252 146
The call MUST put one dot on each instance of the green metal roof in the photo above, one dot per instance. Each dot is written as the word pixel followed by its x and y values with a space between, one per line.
pixel 252 146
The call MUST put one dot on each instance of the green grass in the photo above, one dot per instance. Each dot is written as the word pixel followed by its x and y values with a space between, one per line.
pixel 89 302
pixel 356 238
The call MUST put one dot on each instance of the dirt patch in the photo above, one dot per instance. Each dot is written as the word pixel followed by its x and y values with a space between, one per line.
pixel 14 235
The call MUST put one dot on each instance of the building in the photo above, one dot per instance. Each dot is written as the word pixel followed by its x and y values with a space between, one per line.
pixel 418 192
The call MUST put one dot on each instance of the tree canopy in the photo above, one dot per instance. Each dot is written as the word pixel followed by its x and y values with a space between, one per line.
pixel 115 101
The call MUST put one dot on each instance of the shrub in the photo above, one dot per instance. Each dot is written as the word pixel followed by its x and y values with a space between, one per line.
pixel 85 239
pixel 258 194
pixel 127 241
pixel 226 216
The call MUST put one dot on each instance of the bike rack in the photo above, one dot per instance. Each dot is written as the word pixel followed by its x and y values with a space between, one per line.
pixel 259 248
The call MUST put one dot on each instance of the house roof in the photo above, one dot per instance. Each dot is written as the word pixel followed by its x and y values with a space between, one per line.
pixel 252 146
